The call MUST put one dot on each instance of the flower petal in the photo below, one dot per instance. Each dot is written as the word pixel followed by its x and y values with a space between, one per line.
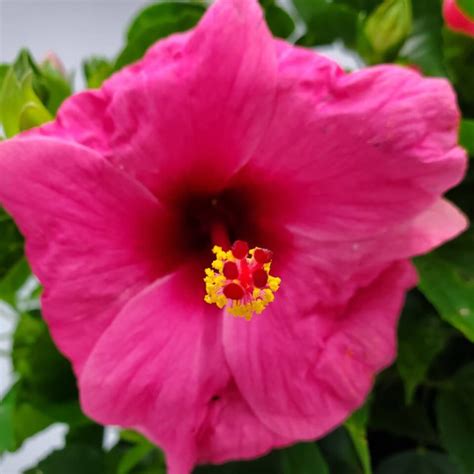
pixel 162 363
pixel 92 235
pixel 193 109
pixel 302 366
pixel 359 153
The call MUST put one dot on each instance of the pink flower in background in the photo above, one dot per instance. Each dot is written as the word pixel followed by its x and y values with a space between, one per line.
pixel 218 135
pixel 456 19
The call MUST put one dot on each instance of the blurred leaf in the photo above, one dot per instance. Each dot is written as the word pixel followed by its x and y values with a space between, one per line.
pixel 279 21
pixel 11 243
pixel 455 412
pixel 417 462
pixel 156 22
pixel 466 135
pixel 467 6
pixel 13 280
pixel 360 5
pixel 356 426
pixel 389 413
pixel 45 373
pixel 424 46
pixel 339 453
pixel 421 337
pixel 269 464
pixel 20 106
pixel 133 456
pixel 73 459
pixel 459 57
pixel 96 71
pixel 303 459
pixel 7 427
pixel 327 22
pixel 385 30
pixel 447 281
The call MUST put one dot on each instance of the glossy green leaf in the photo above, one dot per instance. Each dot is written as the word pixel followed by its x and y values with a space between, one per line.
pixel 467 6
pixel 455 412
pixel 418 462
pixel 303 459
pixel 96 70
pixel 11 243
pixel 156 22
pixel 73 459
pixel 447 281
pixel 466 135
pixel 269 464
pixel 356 426
pixel 421 337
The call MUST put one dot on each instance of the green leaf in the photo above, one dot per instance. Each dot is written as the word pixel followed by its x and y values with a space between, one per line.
pixel 389 413
pixel 44 371
pixel 459 59
pixel 385 30
pixel 338 450
pixel 11 243
pixel 156 22
pixel 424 46
pixel 13 280
pixel 303 459
pixel 455 412
pixel 421 337
pixel 279 21
pixel 447 281
pixel 467 6
pixel 96 70
pixel 417 462
pixel 267 465
pixel 466 135
pixel 73 459
pixel 356 427
pixel 327 22
pixel 134 456
pixel 7 426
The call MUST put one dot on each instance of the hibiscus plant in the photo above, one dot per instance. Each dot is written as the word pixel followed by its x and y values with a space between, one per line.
pixel 238 254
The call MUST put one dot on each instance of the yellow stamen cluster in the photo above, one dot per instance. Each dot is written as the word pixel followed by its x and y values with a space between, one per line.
pixel 254 300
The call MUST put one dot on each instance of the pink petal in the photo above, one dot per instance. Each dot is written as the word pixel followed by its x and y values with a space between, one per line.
pixel 338 262
pixel 92 235
pixel 192 110
pixel 365 151
pixel 162 363
pixel 302 366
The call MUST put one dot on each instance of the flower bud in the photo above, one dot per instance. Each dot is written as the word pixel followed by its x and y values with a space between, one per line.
pixel 387 28
pixel 458 19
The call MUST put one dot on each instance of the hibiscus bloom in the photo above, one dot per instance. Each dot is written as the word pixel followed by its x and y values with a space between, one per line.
pixel 222 135
pixel 457 19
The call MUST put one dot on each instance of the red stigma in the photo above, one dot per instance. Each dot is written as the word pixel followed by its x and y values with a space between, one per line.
pixel 234 291
pixel 240 249
pixel 263 255
pixel 260 278
pixel 230 271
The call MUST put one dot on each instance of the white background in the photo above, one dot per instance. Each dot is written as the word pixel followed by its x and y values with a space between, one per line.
pixel 74 30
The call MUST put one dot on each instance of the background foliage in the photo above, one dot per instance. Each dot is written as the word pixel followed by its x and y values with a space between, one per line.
pixel 419 418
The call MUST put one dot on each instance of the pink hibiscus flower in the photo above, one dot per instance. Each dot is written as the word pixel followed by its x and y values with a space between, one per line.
pixel 456 19
pixel 217 135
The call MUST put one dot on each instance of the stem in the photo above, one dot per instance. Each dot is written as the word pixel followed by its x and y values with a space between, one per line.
pixel 219 235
